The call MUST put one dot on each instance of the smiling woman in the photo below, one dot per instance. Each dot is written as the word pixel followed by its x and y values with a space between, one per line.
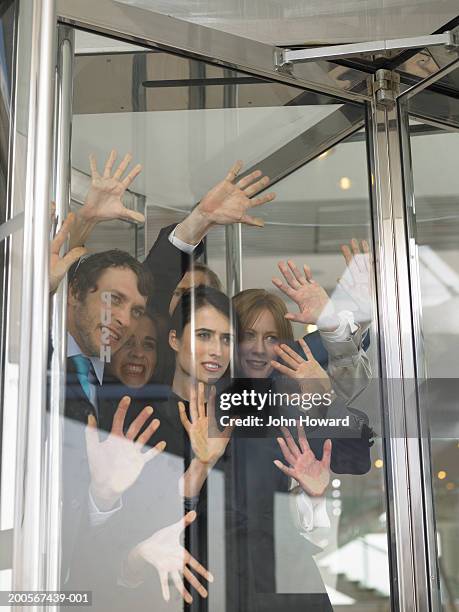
pixel 263 324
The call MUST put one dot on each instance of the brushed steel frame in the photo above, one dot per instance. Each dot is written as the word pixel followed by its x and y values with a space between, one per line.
pixel 30 513
pixel 426 475
pixel 160 31
pixel 61 179
pixel 404 490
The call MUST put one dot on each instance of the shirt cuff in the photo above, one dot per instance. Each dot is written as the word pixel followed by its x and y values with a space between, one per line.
pixel 98 517
pixel 182 246
pixel 347 326
pixel 312 512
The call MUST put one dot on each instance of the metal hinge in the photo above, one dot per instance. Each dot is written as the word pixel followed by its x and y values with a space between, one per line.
pixel 384 85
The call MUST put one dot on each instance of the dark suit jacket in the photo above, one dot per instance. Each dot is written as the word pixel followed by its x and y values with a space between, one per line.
pixel 167 264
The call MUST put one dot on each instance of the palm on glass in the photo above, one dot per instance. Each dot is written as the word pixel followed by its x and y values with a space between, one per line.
pixel 312 475
pixel 104 199
pixel 229 201
pixel 59 266
pixel 164 551
pixel 207 441
pixel 356 280
pixel 308 372
pixel 116 463
pixel 310 297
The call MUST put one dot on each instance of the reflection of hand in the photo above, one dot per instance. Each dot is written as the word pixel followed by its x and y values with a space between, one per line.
pixel 308 372
pixel 164 551
pixel 312 475
pixel 116 463
pixel 59 266
pixel 356 280
pixel 228 202
pixel 207 442
pixel 103 201
pixel 311 299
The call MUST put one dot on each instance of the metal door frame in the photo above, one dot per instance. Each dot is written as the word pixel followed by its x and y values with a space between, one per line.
pixel 413 565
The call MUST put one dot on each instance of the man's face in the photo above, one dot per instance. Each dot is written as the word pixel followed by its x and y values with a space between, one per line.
pixel 190 279
pixel 115 304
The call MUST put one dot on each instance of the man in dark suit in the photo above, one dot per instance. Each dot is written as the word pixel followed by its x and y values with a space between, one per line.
pixel 107 296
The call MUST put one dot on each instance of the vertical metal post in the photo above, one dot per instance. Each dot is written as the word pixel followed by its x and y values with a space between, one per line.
pixel 421 373
pixel 233 243
pixel 405 500
pixel 62 174
pixel 30 491
pixel 233 233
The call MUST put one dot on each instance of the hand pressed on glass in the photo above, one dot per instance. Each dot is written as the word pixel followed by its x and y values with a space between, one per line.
pixel 207 442
pixel 164 551
pixel 356 280
pixel 315 307
pixel 308 372
pixel 116 463
pixel 312 475
pixel 103 201
pixel 228 202
pixel 59 266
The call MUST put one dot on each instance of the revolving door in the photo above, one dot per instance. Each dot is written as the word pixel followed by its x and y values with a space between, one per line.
pixel 355 145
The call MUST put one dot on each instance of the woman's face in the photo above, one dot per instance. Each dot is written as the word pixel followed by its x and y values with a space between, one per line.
pixel 204 350
pixel 134 363
pixel 256 349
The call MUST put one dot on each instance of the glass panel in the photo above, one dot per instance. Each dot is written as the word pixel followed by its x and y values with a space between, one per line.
pixel 436 228
pixel 308 539
pixel 301 23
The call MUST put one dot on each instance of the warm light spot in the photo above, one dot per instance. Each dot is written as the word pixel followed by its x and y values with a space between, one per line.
pixel 450 486
pixel 441 475
pixel 325 154
pixel 379 463
pixel 345 183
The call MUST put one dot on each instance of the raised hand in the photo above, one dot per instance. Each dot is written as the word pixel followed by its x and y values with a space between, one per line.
pixel 312 475
pixel 312 300
pixel 164 551
pixel 104 199
pixel 308 372
pixel 228 202
pixel 356 280
pixel 207 441
pixel 59 266
pixel 116 463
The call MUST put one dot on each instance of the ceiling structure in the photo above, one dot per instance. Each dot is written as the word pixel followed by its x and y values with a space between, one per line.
pixel 306 22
